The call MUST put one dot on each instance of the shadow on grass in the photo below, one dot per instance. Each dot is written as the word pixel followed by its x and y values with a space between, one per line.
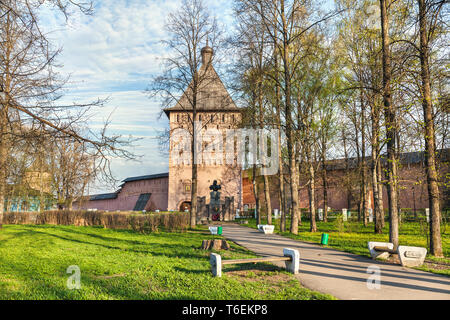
pixel 238 267
pixel 176 249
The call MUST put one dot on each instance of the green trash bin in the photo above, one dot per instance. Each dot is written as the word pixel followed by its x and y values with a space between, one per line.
pixel 219 231
pixel 324 240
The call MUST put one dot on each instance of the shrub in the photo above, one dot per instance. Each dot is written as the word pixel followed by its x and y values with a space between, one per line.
pixel 143 223
pixel 339 223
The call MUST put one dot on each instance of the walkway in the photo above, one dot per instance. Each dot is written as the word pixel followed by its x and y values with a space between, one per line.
pixel 344 275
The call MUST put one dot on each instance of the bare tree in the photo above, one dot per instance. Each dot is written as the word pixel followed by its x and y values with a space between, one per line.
pixel 390 120
pixel 72 168
pixel 285 23
pixel 429 10
pixel 188 70
pixel 253 64
pixel 30 88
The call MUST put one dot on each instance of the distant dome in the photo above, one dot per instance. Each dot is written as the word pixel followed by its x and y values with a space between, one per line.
pixel 207 53
pixel 207 49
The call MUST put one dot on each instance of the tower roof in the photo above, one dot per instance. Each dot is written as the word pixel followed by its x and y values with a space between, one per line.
pixel 212 94
pixel 207 49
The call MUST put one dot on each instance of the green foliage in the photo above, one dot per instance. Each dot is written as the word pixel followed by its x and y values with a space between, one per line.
pixel 339 223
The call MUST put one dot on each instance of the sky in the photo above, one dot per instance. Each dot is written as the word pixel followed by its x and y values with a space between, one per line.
pixel 115 54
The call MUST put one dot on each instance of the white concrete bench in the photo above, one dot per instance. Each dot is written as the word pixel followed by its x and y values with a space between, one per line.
pixel 409 256
pixel 266 228
pixel 377 253
pixel 290 256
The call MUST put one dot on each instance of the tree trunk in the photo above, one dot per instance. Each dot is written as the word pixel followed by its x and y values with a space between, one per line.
pixel 255 193
pixel 430 143
pixel 380 191
pixel 4 129
pixel 282 198
pixel 378 228
pixel 70 204
pixel 325 190
pixel 193 213
pixel 267 198
pixel 292 165
pixel 41 181
pixel 281 182
pixel 347 171
pixel 289 124
pixel 263 146
pixel 194 182
pixel 312 202
pixel 390 123
pixel 363 164
pixel 3 169
pixel 378 211
pixel 358 158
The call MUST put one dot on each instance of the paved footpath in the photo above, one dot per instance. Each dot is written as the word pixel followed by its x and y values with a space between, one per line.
pixel 344 275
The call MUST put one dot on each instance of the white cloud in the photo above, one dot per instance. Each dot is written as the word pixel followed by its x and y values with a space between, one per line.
pixel 122 38
pixel 115 53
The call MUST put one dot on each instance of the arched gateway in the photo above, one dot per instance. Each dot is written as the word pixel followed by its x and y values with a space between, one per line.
pixel 185 205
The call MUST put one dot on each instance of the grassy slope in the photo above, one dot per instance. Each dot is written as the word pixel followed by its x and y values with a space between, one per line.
pixel 121 264
pixel 355 236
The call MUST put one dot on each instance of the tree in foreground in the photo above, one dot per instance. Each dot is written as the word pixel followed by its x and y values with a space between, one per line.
pixel 187 71
pixel 31 88
pixel 429 10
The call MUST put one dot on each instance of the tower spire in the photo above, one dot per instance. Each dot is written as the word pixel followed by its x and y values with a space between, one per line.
pixel 207 53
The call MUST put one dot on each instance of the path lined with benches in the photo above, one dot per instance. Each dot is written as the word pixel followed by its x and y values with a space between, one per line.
pixel 344 275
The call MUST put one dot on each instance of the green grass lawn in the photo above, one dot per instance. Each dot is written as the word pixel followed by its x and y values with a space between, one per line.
pixel 353 237
pixel 122 264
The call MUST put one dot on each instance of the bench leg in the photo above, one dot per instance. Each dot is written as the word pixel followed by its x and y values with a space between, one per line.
pixel 376 254
pixel 292 266
pixel 216 264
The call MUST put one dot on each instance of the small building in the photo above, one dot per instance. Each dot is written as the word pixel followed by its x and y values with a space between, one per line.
pixel 30 191
pixel 29 200
pixel 149 192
